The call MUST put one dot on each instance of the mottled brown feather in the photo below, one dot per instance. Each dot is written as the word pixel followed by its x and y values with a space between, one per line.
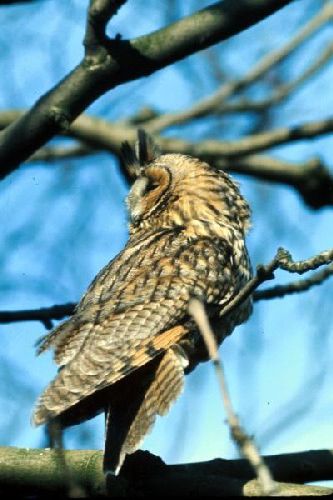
pixel 187 228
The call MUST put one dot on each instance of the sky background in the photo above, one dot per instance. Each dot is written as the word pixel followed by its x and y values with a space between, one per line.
pixel 61 222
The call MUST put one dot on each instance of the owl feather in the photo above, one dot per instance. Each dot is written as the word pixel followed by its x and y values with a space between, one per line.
pixel 130 340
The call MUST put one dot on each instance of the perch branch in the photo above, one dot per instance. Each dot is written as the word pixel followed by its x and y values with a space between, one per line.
pixel 45 314
pixel 36 471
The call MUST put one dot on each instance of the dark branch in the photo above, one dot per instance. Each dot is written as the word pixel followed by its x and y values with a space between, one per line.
pixel 44 314
pixel 282 260
pixel 123 61
pixel 37 471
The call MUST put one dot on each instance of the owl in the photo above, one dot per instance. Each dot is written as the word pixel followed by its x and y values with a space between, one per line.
pixel 131 338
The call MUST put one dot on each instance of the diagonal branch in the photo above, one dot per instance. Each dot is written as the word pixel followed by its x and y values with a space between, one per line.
pixel 245 444
pixel 120 61
pixel 282 260
pixel 281 93
pixel 229 89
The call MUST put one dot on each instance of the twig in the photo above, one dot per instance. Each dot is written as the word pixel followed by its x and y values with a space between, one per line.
pixel 279 291
pixel 45 314
pixel 282 260
pixel 229 89
pixel 280 94
pixel 245 444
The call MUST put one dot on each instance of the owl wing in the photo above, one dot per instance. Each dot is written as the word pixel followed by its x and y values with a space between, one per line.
pixel 68 337
pixel 143 319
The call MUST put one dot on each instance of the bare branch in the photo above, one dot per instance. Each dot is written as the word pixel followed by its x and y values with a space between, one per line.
pixel 282 260
pixel 280 94
pixel 124 61
pixel 298 286
pixel 229 89
pixel 311 179
pixel 244 443
pixel 45 314
pixel 276 137
pixel 101 134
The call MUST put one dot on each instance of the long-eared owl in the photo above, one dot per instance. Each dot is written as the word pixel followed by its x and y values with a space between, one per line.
pixel 131 339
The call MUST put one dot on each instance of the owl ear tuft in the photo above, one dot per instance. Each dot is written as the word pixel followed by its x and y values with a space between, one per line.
pixel 133 159
pixel 129 161
pixel 145 148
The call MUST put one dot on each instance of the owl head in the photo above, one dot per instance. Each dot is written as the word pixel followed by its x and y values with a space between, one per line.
pixel 179 190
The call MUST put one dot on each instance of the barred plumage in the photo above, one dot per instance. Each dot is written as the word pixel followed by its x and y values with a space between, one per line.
pixel 130 340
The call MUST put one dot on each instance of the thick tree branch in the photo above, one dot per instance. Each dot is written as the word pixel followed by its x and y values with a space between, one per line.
pixel 11 2
pixel 123 61
pixel 37 471
pixel 311 179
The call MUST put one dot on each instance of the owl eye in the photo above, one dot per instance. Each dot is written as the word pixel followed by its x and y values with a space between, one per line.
pixel 151 185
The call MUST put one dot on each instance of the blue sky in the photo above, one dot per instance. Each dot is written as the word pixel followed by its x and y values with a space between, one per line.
pixel 62 222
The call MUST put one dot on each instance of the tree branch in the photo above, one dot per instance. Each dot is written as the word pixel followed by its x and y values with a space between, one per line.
pixel 36 471
pixel 123 61
pixel 245 444
pixel 226 91
pixel 311 179
pixel 281 93
pixel 282 260
pixel 298 286
pixel 45 314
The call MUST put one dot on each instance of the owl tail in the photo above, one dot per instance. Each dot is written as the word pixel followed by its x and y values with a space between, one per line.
pixel 128 422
